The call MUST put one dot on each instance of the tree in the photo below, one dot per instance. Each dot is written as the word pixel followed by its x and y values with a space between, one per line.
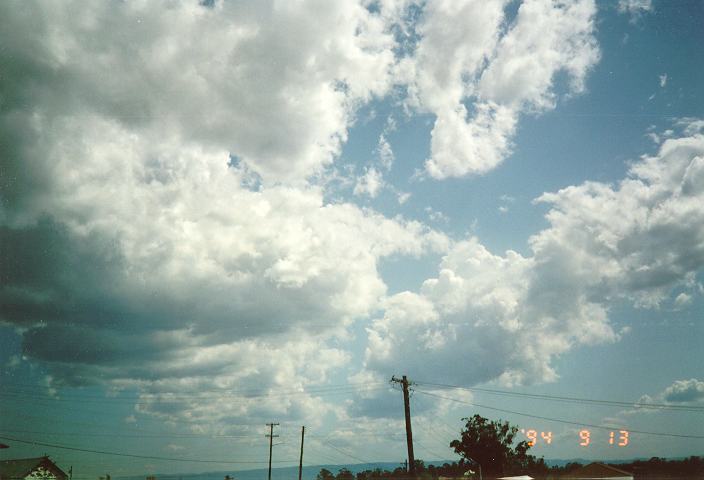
pixel 490 444
pixel 325 474
pixel 344 474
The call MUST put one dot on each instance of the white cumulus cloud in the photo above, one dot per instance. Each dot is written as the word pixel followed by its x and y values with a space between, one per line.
pixel 680 392
pixel 276 84
pixel 506 317
pixel 477 74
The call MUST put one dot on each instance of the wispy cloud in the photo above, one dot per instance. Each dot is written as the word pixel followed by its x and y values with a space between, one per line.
pixel 663 80
pixel 635 8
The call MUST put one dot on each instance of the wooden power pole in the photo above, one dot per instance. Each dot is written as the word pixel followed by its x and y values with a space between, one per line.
pixel 300 461
pixel 271 442
pixel 409 433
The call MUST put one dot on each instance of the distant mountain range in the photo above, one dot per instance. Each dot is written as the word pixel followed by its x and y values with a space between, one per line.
pixel 282 473
pixel 310 472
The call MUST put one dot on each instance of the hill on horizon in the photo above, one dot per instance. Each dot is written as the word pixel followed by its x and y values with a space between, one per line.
pixel 311 471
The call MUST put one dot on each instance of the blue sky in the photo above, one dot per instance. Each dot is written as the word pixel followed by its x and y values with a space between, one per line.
pixel 214 217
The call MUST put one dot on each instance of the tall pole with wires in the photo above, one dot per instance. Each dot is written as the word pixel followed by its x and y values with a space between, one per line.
pixel 300 461
pixel 271 443
pixel 409 433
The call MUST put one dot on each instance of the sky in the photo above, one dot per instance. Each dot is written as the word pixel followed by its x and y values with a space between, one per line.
pixel 216 215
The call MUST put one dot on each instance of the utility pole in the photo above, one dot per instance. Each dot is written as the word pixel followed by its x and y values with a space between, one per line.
pixel 271 442
pixel 409 433
pixel 300 462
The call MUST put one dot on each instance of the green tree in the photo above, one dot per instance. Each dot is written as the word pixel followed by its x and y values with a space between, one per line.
pixel 490 444
pixel 344 474
pixel 325 474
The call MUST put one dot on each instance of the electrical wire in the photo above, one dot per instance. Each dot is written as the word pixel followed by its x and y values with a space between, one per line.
pixel 152 398
pixel 437 455
pixel 22 385
pixel 568 422
pixel 130 455
pixel 427 427
pixel 317 453
pixel 347 454
pixel 659 406
pixel 127 435
pixel 321 390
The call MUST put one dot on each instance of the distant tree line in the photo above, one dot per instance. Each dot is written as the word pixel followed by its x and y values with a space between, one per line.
pixel 691 467
pixel 423 472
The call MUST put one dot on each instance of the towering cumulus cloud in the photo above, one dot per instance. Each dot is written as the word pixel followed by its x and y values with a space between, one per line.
pixel 273 83
pixel 138 248
pixel 506 317
pixel 148 260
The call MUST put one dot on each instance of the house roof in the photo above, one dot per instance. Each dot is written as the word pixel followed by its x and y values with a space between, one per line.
pixel 599 470
pixel 21 467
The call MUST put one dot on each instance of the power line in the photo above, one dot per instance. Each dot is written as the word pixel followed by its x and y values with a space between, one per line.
pixel 556 419
pixel 228 392
pixel 50 402
pixel 347 454
pixel 141 433
pixel 208 390
pixel 365 434
pixel 73 422
pixel 130 455
pixel 451 430
pixel 434 437
pixel 143 418
pixel 325 457
pixel 128 435
pixel 153 398
pixel 661 406
pixel 437 455
pixel 427 427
